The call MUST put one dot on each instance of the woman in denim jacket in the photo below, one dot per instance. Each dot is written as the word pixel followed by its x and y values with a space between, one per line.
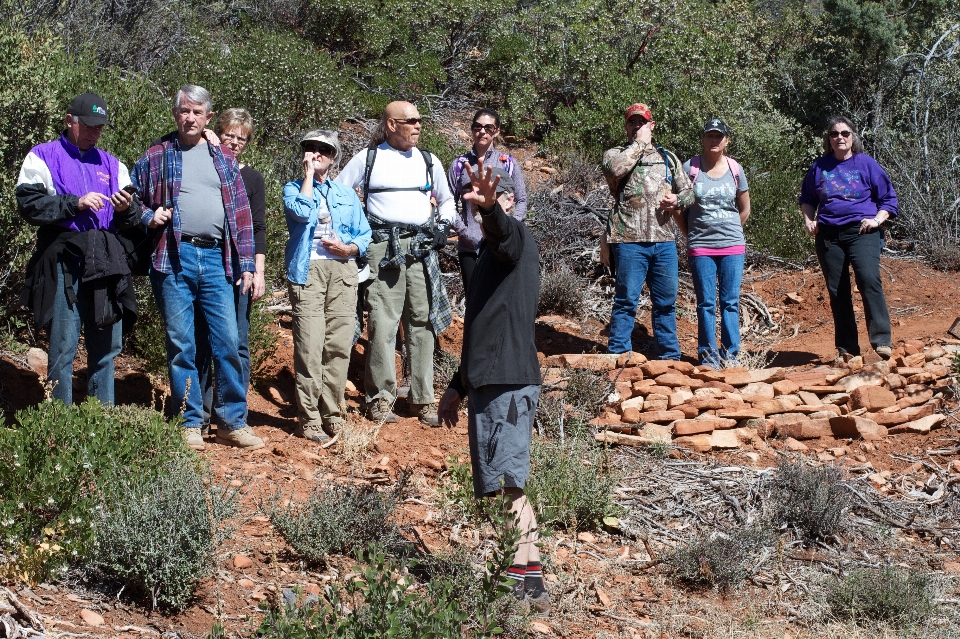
pixel 328 230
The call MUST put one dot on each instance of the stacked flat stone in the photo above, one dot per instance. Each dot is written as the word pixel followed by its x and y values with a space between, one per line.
pixel 702 409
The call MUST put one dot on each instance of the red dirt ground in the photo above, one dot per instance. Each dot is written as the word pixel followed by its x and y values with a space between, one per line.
pixel 923 304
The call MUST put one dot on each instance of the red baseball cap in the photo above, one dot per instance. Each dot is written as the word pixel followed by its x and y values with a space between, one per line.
pixel 638 109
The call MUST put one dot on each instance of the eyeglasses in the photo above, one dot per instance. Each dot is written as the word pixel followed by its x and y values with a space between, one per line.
pixel 489 128
pixel 230 137
pixel 320 148
pixel 836 134
pixel 410 121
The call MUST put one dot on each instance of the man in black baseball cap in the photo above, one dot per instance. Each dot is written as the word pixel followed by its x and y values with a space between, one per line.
pixel 90 108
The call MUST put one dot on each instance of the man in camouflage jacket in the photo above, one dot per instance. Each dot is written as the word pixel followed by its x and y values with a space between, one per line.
pixel 650 188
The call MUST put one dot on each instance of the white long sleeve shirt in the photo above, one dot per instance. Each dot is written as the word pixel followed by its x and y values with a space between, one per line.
pixel 400 169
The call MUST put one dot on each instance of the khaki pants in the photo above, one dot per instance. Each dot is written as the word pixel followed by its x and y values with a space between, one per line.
pixel 324 320
pixel 395 295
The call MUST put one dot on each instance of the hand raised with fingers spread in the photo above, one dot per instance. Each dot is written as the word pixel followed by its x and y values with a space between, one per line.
pixel 483 186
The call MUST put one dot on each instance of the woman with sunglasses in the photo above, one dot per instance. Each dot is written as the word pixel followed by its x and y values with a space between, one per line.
pixel 485 128
pixel 328 230
pixel 845 198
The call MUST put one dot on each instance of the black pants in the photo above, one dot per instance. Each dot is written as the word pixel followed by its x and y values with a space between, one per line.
pixel 838 248
pixel 468 261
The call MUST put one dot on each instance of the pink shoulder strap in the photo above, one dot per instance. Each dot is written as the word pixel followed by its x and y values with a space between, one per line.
pixel 694 169
pixel 735 170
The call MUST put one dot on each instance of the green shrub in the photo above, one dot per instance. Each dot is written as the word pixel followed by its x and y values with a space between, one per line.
pixel 561 292
pixel 262 337
pixel 587 391
pixel 570 484
pixel 157 533
pixel 897 596
pixel 456 491
pixel 341 519
pixel 54 461
pixel 813 500
pixel 719 560
pixel 554 421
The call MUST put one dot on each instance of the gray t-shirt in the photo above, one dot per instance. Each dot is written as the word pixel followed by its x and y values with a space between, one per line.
pixel 713 221
pixel 200 200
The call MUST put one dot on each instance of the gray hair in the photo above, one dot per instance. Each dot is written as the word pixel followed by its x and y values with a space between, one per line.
pixel 195 94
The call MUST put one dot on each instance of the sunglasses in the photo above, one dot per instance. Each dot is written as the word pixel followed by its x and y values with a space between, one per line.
pixel 837 134
pixel 320 148
pixel 230 137
pixel 410 121
pixel 489 128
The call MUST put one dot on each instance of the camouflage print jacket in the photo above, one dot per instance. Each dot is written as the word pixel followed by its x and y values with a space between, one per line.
pixel 637 176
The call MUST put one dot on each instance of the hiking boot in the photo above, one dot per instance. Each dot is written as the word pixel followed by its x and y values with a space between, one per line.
pixel 241 438
pixel 538 600
pixel 884 351
pixel 193 438
pixel 333 426
pixel 314 433
pixel 381 411
pixel 427 413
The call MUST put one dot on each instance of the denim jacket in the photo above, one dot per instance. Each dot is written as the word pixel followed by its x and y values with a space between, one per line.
pixel 349 222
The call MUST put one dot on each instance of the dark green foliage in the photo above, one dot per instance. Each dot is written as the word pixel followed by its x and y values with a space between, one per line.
pixel 720 560
pixel 812 500
pixel 338 519
pixel 570 484
pixel 262 337
pixel 54 462
pixel 157 534
pixel 900 597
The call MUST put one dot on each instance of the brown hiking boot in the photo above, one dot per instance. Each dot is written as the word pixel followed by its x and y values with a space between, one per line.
pixel 884 351
pixel 538 600
pixel 193 438
pixel 241 438
pixel 427 413
pixel 381 411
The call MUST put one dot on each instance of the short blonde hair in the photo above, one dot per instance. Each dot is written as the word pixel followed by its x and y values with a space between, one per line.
pixel 235 117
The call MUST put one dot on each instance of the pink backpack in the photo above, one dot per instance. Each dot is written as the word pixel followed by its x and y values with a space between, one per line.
pixel 733 164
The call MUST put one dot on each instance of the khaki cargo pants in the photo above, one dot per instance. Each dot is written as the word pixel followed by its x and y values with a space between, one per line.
pixel 397 295
pixel 324 320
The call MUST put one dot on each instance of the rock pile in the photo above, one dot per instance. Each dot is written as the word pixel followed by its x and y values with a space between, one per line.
pixel 702 409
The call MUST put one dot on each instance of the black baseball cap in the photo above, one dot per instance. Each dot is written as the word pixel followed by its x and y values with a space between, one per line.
pixel 716 124
pixel 90 108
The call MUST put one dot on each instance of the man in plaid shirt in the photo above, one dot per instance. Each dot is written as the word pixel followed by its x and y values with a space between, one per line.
pixel 197 213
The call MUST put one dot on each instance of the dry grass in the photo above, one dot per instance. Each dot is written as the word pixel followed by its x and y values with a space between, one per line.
pixel 356 437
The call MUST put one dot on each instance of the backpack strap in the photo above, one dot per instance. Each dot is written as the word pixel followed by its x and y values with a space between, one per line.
pixel 367 170
pixel 666 164
pixel 735 169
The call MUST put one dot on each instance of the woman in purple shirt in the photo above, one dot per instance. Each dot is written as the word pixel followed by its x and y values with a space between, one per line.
pixel 845 198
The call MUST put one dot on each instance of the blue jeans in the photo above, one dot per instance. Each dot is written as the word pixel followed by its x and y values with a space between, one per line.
pixel 211 410
pixel 707 272
pixel 201 288
pixel 656 264
pixel 103 344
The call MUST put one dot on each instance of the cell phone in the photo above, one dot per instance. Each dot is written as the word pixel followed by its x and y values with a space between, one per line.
pixel 131 189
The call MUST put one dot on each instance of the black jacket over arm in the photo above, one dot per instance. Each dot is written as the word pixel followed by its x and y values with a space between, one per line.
pixel 498 334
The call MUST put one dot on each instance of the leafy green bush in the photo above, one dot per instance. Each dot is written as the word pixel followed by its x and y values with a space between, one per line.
pixel 157 533
pixel 570 484
pixel 898 596
pixel 456 491
pixel 54 461
pixel 587 391
pixel 341 519
pixel 262 337
pixel 813 500
pixel 719 560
